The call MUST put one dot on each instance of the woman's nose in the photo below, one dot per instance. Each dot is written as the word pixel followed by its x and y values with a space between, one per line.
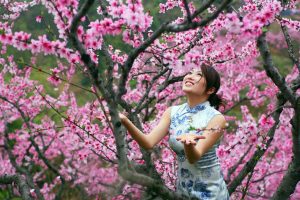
pixel 190 76
pixel 187 77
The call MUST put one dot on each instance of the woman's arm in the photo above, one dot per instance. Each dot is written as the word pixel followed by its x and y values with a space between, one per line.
pixel 151 139
pixel 195 152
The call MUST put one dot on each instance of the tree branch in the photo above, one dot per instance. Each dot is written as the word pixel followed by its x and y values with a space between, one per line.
pixel 166 27
pixel 272 71
pixel 205 6
pixel 247 184
pixel 119 133
pixel 153 185
pixel 249 166
pixel 134 54
pixel 281 100
pixel 20 169
pixel 234 167
pixel 187 26
pixel 118 130
pixel 36 147
pixel 289 44
pixel 139 104
pixel 268 174
pixel 188 12
pixel 292 177
pixel 24 189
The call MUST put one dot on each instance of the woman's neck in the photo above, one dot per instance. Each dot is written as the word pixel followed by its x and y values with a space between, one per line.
pixel 193 101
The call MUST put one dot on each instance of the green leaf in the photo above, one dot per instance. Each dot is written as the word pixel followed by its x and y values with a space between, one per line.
pixel 14 125
pixel 264 29
pixel 133 83
pixel 191 128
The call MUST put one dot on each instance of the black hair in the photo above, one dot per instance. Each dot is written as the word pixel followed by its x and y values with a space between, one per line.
pixel 213 80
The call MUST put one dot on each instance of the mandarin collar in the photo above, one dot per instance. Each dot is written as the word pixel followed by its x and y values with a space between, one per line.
pixel 198 107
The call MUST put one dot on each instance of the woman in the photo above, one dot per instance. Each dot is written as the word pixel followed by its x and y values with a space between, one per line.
pixel 195 132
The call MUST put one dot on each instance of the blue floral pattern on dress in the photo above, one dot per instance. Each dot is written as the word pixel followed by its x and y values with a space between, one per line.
pixel 179 132
pixel 207 173
pixel 189 186
pixel 182 118
pixel 201 188
pixel 183 184
pixel 179 120
pixel 181 156
pixel 196 109
pixel 203 179
pixel 185 173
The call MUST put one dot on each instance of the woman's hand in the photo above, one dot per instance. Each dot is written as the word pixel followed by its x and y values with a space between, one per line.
pixel 122 117
pixel 189 138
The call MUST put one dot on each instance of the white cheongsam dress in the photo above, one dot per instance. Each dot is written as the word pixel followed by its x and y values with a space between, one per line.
pixel 203 179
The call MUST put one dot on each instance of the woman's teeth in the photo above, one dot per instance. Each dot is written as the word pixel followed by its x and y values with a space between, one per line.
pixel 189 83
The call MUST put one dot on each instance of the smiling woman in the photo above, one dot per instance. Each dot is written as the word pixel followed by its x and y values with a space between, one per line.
pixel 195 129
pixel 199 174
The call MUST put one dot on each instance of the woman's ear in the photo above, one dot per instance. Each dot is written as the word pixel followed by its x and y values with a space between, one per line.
pixel 211 90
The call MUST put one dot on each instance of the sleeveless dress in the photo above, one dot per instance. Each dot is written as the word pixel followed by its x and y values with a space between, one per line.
pixel 203 179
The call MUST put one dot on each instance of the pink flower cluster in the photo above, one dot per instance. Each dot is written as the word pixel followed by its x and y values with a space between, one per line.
pixel 79 140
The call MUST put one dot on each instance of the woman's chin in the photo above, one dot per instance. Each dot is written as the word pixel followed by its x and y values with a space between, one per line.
pixel 186 90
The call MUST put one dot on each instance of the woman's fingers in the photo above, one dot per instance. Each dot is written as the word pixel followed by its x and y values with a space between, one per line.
pixel 193 142
pixel 122 117
pixel 188 142
pixel 199 137
pixel 189 138
pixel 179 138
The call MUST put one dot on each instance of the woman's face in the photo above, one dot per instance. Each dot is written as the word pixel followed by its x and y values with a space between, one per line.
pixel 194 82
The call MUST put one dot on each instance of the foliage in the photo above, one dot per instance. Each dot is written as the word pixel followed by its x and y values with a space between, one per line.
pixel 65 135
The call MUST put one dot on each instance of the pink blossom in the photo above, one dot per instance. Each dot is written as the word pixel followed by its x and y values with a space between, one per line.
pixel 38 19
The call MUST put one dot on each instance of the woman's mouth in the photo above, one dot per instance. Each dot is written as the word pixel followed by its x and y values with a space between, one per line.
pixel 189 83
